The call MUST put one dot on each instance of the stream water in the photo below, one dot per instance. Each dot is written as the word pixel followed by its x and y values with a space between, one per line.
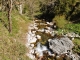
pixel 43 43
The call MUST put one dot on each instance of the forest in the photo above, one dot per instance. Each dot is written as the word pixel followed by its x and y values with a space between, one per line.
pixel 17 15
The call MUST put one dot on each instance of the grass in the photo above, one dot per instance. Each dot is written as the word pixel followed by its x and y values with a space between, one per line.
pixel 73 27
pixel 64 25
pixel 12 46
pixel 76 41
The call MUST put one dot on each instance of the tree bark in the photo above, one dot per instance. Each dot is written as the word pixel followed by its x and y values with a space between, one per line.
pixel 9 16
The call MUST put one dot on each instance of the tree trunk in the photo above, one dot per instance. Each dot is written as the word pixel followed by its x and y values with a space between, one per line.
pixel 20 9
pixel 9 16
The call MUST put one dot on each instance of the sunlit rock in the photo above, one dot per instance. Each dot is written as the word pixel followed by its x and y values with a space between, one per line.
pixel 38 37
pixel 33 32
pixel 33 40
pixel 71 34
pixel 36 28
pixel 72 38
pixel 61 45
pixel 30 54
pixel 41 30
pixel 77 35
pixel 32 45
pixel 49 28
pixel 47 31
pixel 57 57
pixel 48 23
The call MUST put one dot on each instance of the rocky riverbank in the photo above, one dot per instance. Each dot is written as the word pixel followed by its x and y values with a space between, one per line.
pixel 44 44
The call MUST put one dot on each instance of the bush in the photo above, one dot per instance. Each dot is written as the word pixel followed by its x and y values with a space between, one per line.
pixel 60 21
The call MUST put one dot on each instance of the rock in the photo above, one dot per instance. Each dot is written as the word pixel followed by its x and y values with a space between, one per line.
pixel 47 23
pixel 49 28
pixel 72 38
pixel 41 30
pixel 60 46
pixel 36 28
pixel 33 32
pixel 77 35
pixel 32 45
pixel 30 54
pixel 72 34
pixel 47 31
pixel 38 37
pixel 50 23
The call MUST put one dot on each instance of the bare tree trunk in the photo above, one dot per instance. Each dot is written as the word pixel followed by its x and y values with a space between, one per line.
pixel 20 9
pixel 9 16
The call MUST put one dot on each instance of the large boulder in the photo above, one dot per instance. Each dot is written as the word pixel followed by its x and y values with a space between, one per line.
pixel 60 45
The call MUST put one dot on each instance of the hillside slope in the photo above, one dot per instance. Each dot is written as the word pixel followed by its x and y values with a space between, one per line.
pixel 12 46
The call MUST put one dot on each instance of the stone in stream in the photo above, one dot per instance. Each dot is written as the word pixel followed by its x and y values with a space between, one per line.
pixel 41 30
pixel 38 37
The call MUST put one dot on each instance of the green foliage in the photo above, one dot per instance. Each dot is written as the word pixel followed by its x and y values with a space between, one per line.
pixel 60 21
pixel 76 48
pixel 76 41
pixel 67 8
pixel 73 27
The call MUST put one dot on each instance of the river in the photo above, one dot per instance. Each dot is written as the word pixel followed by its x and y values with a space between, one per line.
pixel 44 43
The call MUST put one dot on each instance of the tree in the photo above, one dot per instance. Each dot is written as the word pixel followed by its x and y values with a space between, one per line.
pixel 46 9
pixel 9 15
pixel 6 12
pixel 32 8
pixel 66 7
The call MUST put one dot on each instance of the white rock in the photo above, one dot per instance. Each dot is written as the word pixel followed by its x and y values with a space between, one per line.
pixel 47 22
pixel 32 45
pixel 33 40
pixel 57 56
pixel 50 23
pixel 33 32
pixel 49 40
pixel 41 30
pixel 47 31
pixel 72 38
pixel 36 28
pixel 38 37
pixel 31 56
pixel 77 35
